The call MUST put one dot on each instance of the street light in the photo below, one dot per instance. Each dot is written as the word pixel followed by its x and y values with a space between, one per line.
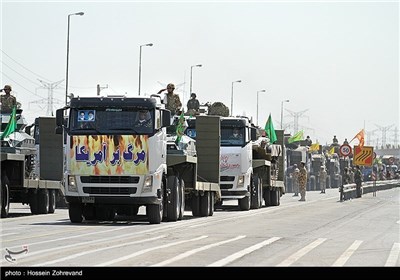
pixel 238 81
pixel 66 75
pixel 287 100
pixel 191 69
pixel 140 62
pixel 263 90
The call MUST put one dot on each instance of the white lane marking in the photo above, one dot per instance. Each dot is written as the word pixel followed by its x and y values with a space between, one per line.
pixel 149 250
pixel 347 254
pixel 243 252
pixel 98 250
pixel 293 258
pixel 394 255
pixel 194 251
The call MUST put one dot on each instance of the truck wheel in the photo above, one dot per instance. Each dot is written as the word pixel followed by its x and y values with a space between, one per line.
pixel 267 197
pixel 212 203
pixel 5 197
pixel 43 201
pixel 75 213
pixel 174 205
pixel 275 197
pixel 34 201
pixel 205 204
pixel 244 203
pixel 256 192
pixel 195 202
pixel 155 212
pixel 52 201
pixel 182 199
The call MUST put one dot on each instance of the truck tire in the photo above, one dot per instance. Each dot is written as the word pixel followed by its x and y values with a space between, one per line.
pixel 244 203
pixel 256 191
pixel 155 212
pixel 182 199
pixel 34 201
pixel 5 197
pixel 43 201
pixel 75 213
pixel 212 203
pixel 205 204
pixel 267 197
pixel 275 197
pixel 52 201
pixel 174 204
pixel 195 202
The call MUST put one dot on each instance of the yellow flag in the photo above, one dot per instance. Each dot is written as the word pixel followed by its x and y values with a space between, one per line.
pixel 314 147
pixel 332 151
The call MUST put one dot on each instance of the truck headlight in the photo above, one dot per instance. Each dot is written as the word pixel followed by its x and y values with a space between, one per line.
pixel 72 184
pixel 240 180
pixel 148 184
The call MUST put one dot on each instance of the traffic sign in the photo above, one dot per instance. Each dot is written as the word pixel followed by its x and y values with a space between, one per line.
pixel 345 150
pixel 363 156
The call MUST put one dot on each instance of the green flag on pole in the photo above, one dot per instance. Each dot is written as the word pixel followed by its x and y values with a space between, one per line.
pixel 180 128
pixel 297 137
pixel 270 131
pixel 12 124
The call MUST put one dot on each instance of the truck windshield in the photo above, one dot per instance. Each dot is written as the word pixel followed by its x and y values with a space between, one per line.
pixel 232 136
pixel 112 121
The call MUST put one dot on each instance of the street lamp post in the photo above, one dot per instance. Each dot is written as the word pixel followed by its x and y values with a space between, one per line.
pixel 66 74
pixel 287 100
pixel 140 62
pixel 263 90
pixel 238 81
pixel 191 70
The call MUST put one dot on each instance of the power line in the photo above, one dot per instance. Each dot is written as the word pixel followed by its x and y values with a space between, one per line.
pixel 36 84
pixel 20 85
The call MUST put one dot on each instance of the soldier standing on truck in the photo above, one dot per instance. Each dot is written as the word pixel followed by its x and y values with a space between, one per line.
pixel 302 181
pixel 193 105
pixel 8 101
pixel 171 100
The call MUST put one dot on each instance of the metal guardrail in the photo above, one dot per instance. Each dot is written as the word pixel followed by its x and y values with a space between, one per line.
pixel 349 190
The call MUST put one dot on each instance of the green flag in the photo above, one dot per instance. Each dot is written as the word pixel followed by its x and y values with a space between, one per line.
pixel 180 128
pixel 297 137
pixel 270 131
pixel 12 124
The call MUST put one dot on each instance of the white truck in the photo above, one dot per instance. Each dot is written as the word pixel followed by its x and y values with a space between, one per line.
pixel 247 174
pixel 114 166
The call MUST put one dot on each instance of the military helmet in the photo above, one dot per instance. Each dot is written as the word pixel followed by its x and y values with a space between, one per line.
pixel 170 85
pixel 193 95
pixel 7 87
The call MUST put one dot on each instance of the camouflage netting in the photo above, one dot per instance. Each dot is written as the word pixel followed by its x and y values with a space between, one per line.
pixel 219 109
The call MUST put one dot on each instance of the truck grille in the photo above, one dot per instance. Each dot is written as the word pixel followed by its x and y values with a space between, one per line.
pixel 109 190
pixel 227 178
pixel 110 179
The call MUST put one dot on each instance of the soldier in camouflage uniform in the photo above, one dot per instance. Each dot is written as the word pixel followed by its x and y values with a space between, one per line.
pixel 193 105
pixel 322 178
pixel 295 174
pixel 143 120
pixel 8 102
pixel 171 100
pixel 303 181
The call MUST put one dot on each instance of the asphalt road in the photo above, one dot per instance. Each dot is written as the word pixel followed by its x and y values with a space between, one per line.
pixel 320 232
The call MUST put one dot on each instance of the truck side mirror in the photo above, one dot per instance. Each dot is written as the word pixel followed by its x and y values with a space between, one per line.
pixel 253 132
pixel 166 118
pixel 60 117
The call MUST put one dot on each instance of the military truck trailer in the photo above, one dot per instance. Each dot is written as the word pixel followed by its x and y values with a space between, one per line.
pixel 31 166
pixel 114 166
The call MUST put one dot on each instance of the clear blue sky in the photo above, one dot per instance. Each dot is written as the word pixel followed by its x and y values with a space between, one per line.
pixel 336 61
